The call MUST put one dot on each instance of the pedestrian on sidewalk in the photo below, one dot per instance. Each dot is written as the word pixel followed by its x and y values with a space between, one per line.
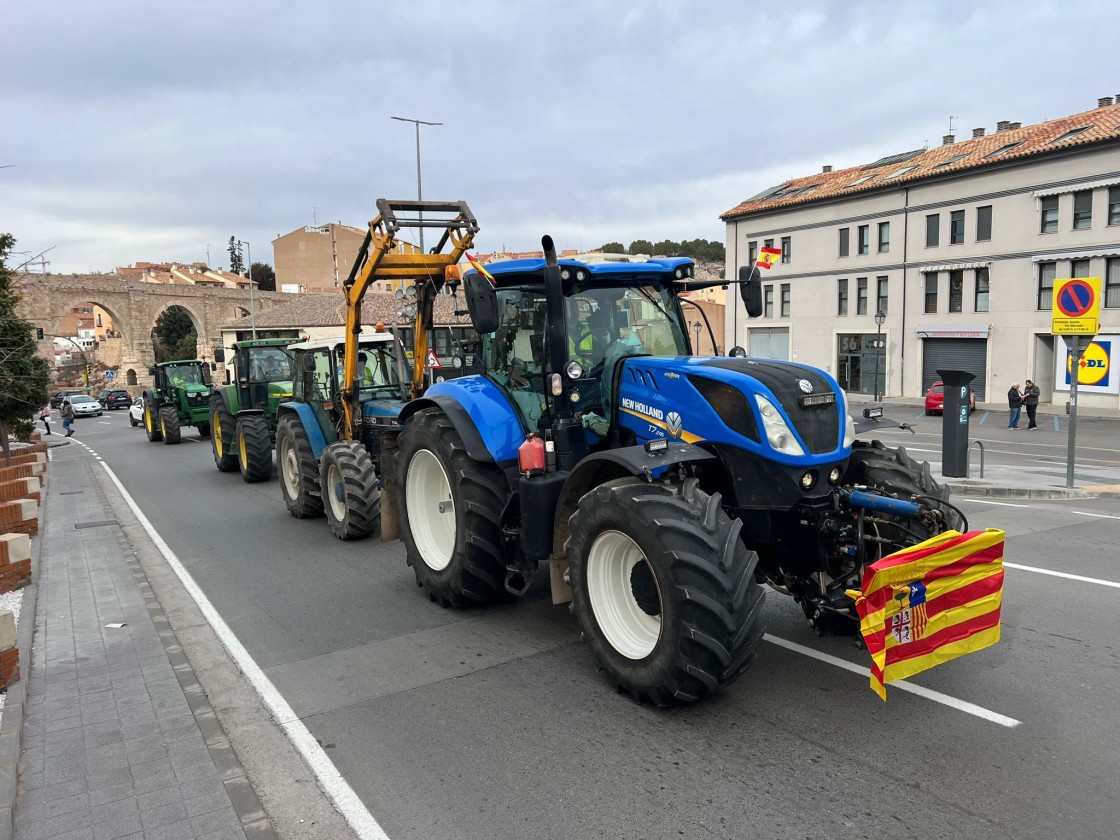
pixel 1015 403
pixel 45 416
pixel 67 417
pixel 1030 402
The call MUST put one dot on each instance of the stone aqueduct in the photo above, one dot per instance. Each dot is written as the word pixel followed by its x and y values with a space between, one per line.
pixel 134 307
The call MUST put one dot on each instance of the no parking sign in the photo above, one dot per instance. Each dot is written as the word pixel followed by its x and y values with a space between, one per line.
pixel 1076 308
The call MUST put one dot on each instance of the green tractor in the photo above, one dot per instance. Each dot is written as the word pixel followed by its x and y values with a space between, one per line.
pixel 180 397
pixel 243 413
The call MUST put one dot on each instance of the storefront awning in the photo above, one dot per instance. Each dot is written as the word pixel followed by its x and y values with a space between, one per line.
pixel 962 266
pixel 953 330
pixel 1113 251
pixel 1084 185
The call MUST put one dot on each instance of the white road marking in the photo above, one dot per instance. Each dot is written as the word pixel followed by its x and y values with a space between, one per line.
pixel 1097 515
pixel 330 779
pixel 927 693
pixel 916 449
pixel 987 502
pixel 1066 575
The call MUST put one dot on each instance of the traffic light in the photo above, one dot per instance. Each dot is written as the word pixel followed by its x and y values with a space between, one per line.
pixel 39 333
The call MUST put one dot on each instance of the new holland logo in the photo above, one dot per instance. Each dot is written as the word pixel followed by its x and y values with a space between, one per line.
pixel 673 424
pixel 805 385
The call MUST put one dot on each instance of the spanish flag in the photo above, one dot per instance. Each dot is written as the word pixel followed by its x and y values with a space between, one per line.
pixel 768 256
pixel 479 267
pixel 930 603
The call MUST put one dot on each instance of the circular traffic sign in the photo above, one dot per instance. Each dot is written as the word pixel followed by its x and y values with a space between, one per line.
pixel 1076 299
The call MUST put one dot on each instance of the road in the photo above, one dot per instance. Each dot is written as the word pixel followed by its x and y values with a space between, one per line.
pixel 493 723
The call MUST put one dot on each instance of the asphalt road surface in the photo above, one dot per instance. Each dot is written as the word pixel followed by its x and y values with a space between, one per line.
pixel 494 723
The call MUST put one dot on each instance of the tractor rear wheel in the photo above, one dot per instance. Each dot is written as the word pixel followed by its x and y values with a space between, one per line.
pixel 254 447
pixel 222 426
pixel 351 493
pixel 664 590
pixel 151 422
pixel 451 511
pixel 894 472
pixel 169 424
pixel 299 474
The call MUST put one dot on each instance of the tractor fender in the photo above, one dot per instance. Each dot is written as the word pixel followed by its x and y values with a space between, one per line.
pixel 228 395
pixel 153 397
pixel 481 413
pixel 310 425
pixel 597 469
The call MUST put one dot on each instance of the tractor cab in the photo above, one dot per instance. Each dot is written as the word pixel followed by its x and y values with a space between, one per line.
pixel 262 372
pixel 179 396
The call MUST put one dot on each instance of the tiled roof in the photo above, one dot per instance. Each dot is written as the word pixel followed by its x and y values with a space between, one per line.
pixel 312 310
pixel 1099 124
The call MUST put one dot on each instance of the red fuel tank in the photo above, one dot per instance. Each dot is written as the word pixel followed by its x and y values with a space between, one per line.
pixel 530 455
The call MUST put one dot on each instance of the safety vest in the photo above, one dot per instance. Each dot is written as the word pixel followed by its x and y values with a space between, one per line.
pixel 580 348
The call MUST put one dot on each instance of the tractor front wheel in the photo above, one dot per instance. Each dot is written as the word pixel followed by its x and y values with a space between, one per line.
pixel 299 474
pixel 254 447
pixel 204 430
pixel 351 495
pixel 664 589
pixel 151 422
pixel 169 424
pixel 451 514
pixel 221 438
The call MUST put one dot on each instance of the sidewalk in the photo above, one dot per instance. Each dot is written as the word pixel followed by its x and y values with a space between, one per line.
pixel 119 740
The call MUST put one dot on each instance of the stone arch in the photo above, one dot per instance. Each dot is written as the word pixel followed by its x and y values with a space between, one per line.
pixel 118 310
pixel 197 321
pixel 130 377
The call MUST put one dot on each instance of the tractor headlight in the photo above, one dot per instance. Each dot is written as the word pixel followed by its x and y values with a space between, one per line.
pixel 679 273
pixel 834 476
pixel 574 369
pixel 808 479
pixel 849 423
pixel 777 432
pixel 574 396
pixel 565 274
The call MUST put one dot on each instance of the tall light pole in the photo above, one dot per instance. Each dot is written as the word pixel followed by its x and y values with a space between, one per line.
pixel 419 186
pixel 880 317
pixel 249 272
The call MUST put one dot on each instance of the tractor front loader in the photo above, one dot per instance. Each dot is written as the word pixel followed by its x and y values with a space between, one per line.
pixel 180 397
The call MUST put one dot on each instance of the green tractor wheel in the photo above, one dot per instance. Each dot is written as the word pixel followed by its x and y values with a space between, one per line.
pixel 169 424
pixel 151 422
pixel 221 438
pixel 254 447
pixel 203 430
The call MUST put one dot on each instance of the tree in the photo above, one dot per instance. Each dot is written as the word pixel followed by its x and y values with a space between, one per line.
pixel 236 264
pixel 641 246
pixel 264 275
pixel 174 336
pixel 613 248
pixel 667 248
pixel 23 373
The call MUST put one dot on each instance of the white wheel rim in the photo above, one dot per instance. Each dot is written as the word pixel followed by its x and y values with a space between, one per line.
pixel 334 491
pixel 431 510
pixel 628 628
pixel 289 468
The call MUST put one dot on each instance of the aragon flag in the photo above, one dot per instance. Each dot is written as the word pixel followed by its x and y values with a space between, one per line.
pixel 930 603
pixel 768 256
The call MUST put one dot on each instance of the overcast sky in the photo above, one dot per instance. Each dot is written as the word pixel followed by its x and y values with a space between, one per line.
pixel 148 131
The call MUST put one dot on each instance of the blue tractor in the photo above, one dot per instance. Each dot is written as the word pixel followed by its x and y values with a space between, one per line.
pixel 662 489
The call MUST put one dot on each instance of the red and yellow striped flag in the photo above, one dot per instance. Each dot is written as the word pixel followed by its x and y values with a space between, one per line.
pixel 930 603
pixel 479 267
pixel 768 256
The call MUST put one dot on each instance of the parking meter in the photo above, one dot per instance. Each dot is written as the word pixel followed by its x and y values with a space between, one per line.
pixel 954 423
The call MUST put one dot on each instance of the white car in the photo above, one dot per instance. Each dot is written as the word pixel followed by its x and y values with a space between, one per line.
pixel 84 406
pixel 136 412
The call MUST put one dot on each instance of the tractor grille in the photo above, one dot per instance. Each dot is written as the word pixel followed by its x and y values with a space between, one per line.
pixel 817 425
pixel 198 398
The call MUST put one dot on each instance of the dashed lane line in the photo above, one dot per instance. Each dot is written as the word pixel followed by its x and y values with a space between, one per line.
pixel 1096 515
pixel 1066 575
pixel 976 501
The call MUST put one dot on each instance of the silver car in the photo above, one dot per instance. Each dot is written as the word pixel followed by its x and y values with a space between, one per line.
pixel 84 406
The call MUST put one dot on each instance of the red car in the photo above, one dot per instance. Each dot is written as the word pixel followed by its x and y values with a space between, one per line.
pixel 935 398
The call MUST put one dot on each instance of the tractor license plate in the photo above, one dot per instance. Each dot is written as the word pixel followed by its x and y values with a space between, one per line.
pixel 817 399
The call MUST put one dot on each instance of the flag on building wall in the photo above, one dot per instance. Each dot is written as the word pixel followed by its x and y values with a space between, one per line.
pixel 479 267
pixel 768 256
pixel 930 603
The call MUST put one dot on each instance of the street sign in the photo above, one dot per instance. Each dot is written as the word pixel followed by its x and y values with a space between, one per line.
pixel 1077 306
pixel 433 360
pixel 110 374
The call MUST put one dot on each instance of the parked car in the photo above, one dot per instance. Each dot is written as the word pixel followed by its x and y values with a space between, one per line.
pixel 57 398
pixel 935 399
pixel 136 412
pixel 115 399
pixel 83 406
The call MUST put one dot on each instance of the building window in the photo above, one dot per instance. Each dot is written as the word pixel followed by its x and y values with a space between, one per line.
pixel 1045 286
pixel 1114 205
pixel 884 237
pixel 1049 207
pixel 956 227
pixel 881 285
pixel 785 300
pixel 787 249
pixel 984 223
pixel 933 230
pixel 1112 284
pixel 864 234
pixel 1082 210
pixel 861 295
pixel 843 242
pixel 841 297
pixel 931 292
pixel 980 304
pixel 752 253
pixel 1079 268
pixel 767 243
pixel 768 302
pixel 956 291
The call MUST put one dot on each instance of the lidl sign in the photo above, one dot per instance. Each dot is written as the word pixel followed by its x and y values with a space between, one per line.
pixel 1096 372
pixel 1076 308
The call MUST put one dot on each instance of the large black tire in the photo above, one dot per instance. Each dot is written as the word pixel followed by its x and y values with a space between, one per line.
pixel 204 430
pixel 299 474
pixel 351 493
pixel 664 589
pixel 451 509
pixel 151 422
pixel 894 472
pixel 221 441
pixel 169 424
pixel 254 447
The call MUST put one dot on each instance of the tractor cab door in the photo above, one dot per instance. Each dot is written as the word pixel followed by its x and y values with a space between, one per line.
pixel 316 386
pixel 515 355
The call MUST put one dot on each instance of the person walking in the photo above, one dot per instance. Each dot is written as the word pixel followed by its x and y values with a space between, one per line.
pixel 67 417
pixel 45 416
pixel 1015 403
pixel 1030 402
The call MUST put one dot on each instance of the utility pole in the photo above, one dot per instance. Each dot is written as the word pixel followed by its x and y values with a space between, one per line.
pixel 419 187
pixel 249 273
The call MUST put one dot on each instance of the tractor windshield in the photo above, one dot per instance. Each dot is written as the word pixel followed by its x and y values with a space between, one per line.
pixel 269 364
pixel 184 375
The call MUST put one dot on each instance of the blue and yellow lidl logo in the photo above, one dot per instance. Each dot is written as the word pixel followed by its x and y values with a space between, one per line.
pixel 1094 364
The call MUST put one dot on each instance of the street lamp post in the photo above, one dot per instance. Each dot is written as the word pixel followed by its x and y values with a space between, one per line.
pixel 419 186
pixel 880 317
pixel 249 272
pixel 696 327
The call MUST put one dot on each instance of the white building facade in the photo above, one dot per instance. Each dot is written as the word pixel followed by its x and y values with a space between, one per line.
pixel 958 247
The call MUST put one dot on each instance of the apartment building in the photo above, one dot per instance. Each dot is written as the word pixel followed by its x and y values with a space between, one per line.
pixel 958 247
pixel 319 258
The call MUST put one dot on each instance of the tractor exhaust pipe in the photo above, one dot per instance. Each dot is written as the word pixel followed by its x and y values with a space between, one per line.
pixel 567 430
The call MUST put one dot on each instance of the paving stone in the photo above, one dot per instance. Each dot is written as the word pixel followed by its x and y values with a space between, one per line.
pixel 164 815
pixel 159 798
pixel 216 820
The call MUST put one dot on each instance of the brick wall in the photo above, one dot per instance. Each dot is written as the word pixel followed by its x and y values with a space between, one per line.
pixel 15 561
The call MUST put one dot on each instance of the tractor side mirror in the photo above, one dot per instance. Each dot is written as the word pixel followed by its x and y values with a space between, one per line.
pixel 152 371
pixel 206 375
pixel 220 355
pixel 482 303
pixel 737 352
pixel 308 363
pixel 750 290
